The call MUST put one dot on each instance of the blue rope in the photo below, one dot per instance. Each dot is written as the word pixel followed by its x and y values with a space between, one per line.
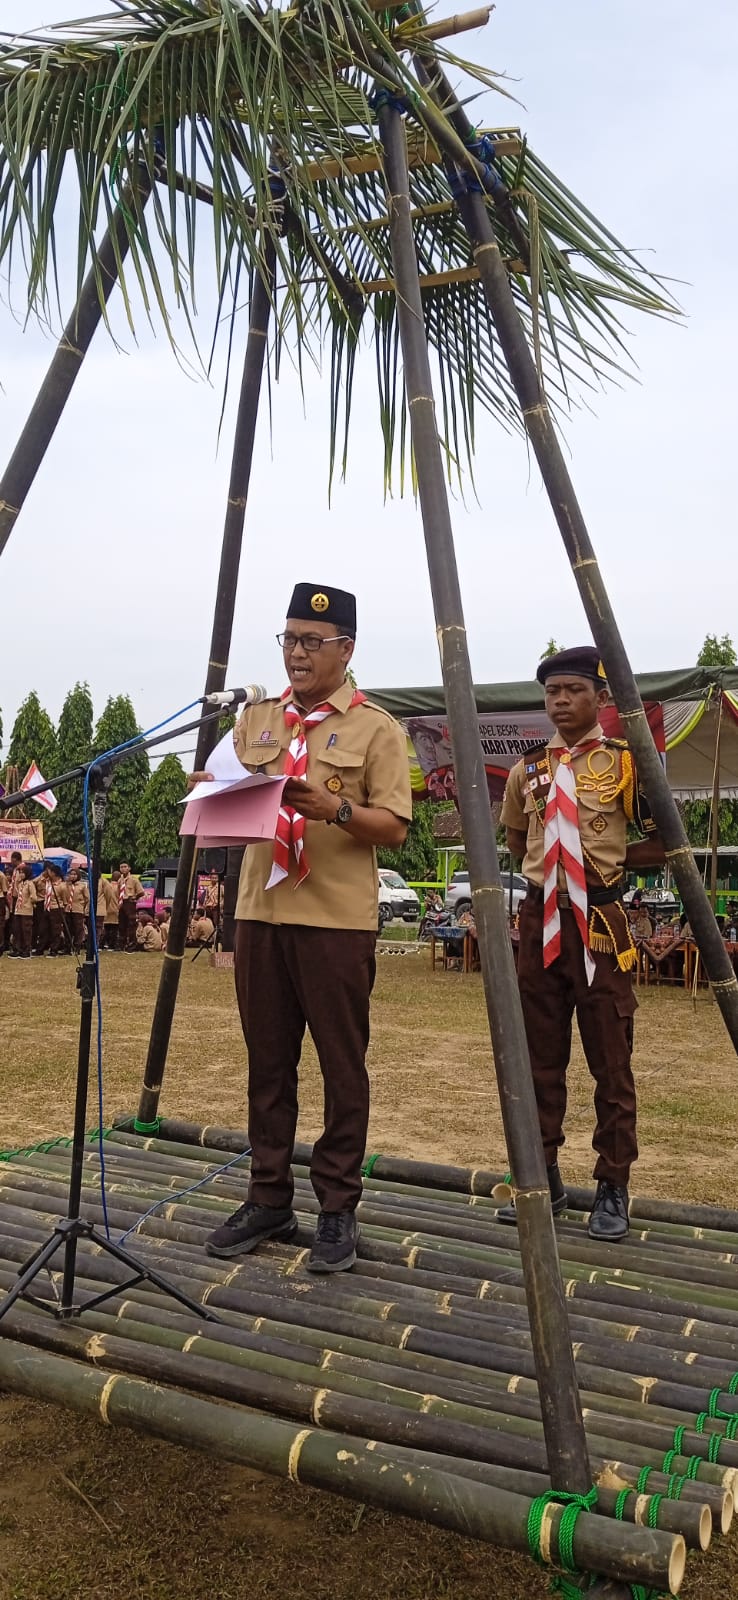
pixel 383 97
pixel 167 1199
pixel 127 745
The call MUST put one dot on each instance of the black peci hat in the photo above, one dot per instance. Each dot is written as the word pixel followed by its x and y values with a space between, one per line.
pixel 315 602
pixel 319 604
pixel 583 661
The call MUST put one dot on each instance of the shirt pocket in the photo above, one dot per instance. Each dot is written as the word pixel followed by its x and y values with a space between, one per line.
pixel 342 772
pixel 259 757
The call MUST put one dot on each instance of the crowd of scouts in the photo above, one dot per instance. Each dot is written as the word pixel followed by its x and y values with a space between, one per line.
pixel 48 914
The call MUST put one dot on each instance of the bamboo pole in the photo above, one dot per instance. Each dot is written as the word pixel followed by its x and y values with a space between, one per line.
pixel 220 644
pixel 45 414
pixel 316 1458
pixel 463 22
pixel 597 607
pixel 715 810
pixel 562 1419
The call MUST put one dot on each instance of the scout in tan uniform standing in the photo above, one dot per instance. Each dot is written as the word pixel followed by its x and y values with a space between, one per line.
pixel 112 910
pixel 571 800
pixel 78 907
pixel 130 890
pixel 306 923
pixel 23 917
pixel 51 941
pixel 4 887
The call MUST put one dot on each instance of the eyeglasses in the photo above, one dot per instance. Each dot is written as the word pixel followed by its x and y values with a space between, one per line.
pixel 310 641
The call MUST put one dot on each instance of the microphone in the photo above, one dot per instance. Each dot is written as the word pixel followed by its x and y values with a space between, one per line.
pixel 252 695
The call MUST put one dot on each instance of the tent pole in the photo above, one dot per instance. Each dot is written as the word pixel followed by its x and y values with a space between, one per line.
pixel 597 607
pixel 220 644
pixel 66 362
pixel 715 812
pixel 560 1406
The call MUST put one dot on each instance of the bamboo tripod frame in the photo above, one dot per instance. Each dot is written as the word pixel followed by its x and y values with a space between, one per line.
pixel 561 1415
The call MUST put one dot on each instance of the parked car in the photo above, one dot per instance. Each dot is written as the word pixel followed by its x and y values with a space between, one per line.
pixel 396 898
pixel 458 895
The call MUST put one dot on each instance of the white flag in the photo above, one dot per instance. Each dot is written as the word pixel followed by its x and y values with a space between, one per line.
pixel 46 798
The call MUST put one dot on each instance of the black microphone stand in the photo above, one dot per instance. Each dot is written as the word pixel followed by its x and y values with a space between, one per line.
pixel 71 1228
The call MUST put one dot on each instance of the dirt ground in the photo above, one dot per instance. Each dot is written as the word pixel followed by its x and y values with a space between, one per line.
pixel 87 1514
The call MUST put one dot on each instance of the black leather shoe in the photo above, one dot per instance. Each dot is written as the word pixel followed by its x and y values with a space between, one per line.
pixel 334 1246
pixel 249 1226
pixel 609 1215
pixel 559 1198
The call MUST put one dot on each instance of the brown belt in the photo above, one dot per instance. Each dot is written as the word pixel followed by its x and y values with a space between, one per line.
pixel 596 897
pixel 535 892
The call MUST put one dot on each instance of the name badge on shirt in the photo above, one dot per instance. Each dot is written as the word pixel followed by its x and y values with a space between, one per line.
pixel 265 741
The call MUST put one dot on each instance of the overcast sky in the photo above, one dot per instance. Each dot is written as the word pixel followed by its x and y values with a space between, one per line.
pixel 110 572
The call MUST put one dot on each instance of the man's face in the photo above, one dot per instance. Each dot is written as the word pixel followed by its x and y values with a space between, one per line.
pixel 573 703
pixel 314 674
pixel 124 869
pixel 15 860
pixel 73 875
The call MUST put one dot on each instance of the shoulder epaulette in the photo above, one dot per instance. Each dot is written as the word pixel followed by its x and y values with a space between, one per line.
pixel 616 744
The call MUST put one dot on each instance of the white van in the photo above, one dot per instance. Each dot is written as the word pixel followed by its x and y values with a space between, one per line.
pixel 396 898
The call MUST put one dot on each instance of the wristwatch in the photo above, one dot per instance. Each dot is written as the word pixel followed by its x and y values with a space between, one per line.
pixel 344 813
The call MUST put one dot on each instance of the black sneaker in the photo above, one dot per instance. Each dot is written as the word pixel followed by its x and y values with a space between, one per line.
pixel 249 1226
pixel 559 1198
pixel 608 1218
pixel 334 1247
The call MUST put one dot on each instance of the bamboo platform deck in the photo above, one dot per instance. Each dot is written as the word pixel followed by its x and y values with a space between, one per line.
pixel 409 1382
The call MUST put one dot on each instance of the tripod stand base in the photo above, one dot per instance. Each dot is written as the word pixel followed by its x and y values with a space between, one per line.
pixel 68 1231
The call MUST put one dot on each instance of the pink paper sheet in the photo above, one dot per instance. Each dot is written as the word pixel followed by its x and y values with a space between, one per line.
pixel 236 816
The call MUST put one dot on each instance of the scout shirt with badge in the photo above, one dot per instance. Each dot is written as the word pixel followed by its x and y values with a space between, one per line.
pixel 608 799
pixel 358 753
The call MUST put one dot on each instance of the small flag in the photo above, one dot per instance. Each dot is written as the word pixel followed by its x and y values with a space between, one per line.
pixel 46 798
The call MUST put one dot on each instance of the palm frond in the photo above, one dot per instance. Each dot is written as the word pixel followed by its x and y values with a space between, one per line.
pixel 266 112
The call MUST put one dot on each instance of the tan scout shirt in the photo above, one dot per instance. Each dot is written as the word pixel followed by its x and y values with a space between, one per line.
pixel 79 899
pixel 132 887
pixel 3 885
pixel 107 900
pixel 602 826
pixel 27 898
pixel 365 751
pixel 149 937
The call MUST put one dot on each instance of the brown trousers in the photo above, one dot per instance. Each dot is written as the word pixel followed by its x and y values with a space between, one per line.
pixel 127 924
pixel 23 934
pixel 604 1012
pixel 51 931
pixel 79 929
pixel 110 935
pixel 288 978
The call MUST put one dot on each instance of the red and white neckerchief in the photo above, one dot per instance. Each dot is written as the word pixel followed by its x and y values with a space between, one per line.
pixel 48 894
pixel 290 824
pixel 562 843
pixel 122 890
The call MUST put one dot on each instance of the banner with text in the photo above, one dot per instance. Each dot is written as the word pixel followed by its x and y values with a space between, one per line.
pixel 28 837
pixel 506 737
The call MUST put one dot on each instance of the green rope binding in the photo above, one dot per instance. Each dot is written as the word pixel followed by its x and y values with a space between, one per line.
pixel 147 1127
pixel 370 1164
pixel 46 1145
pixel 574 1505
pixel 621 1502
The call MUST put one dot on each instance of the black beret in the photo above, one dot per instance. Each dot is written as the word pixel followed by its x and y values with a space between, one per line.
pixel 315 602
pixel 583 661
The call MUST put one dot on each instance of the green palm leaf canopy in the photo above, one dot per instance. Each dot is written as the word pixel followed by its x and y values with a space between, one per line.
pixel 266 113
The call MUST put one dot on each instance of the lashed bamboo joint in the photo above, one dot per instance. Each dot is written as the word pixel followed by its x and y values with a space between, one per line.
pixel 424 1399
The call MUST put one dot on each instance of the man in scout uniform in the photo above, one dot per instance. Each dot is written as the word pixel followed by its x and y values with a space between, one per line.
pixel 212 899
pixel 78 907
pixel 566 809
pixel 112 910
pixel 4 886
pixel 14 883
pixel 130 890
pixel 306 922
pixel 50 888
pixel 25 901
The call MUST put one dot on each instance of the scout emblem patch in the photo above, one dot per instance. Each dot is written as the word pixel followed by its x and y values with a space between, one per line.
pixel 320 602
pixel 599 823
pixel 334 784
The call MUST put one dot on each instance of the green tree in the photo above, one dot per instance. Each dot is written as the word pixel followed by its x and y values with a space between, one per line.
pixel 33 739
pixel 161 812
pixel 416 859
pixel 552 649
pixel 116 726
pixel 74 747
pixel 717 652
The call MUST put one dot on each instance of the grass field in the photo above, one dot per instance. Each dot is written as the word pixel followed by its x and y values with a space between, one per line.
pixel 87 1514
